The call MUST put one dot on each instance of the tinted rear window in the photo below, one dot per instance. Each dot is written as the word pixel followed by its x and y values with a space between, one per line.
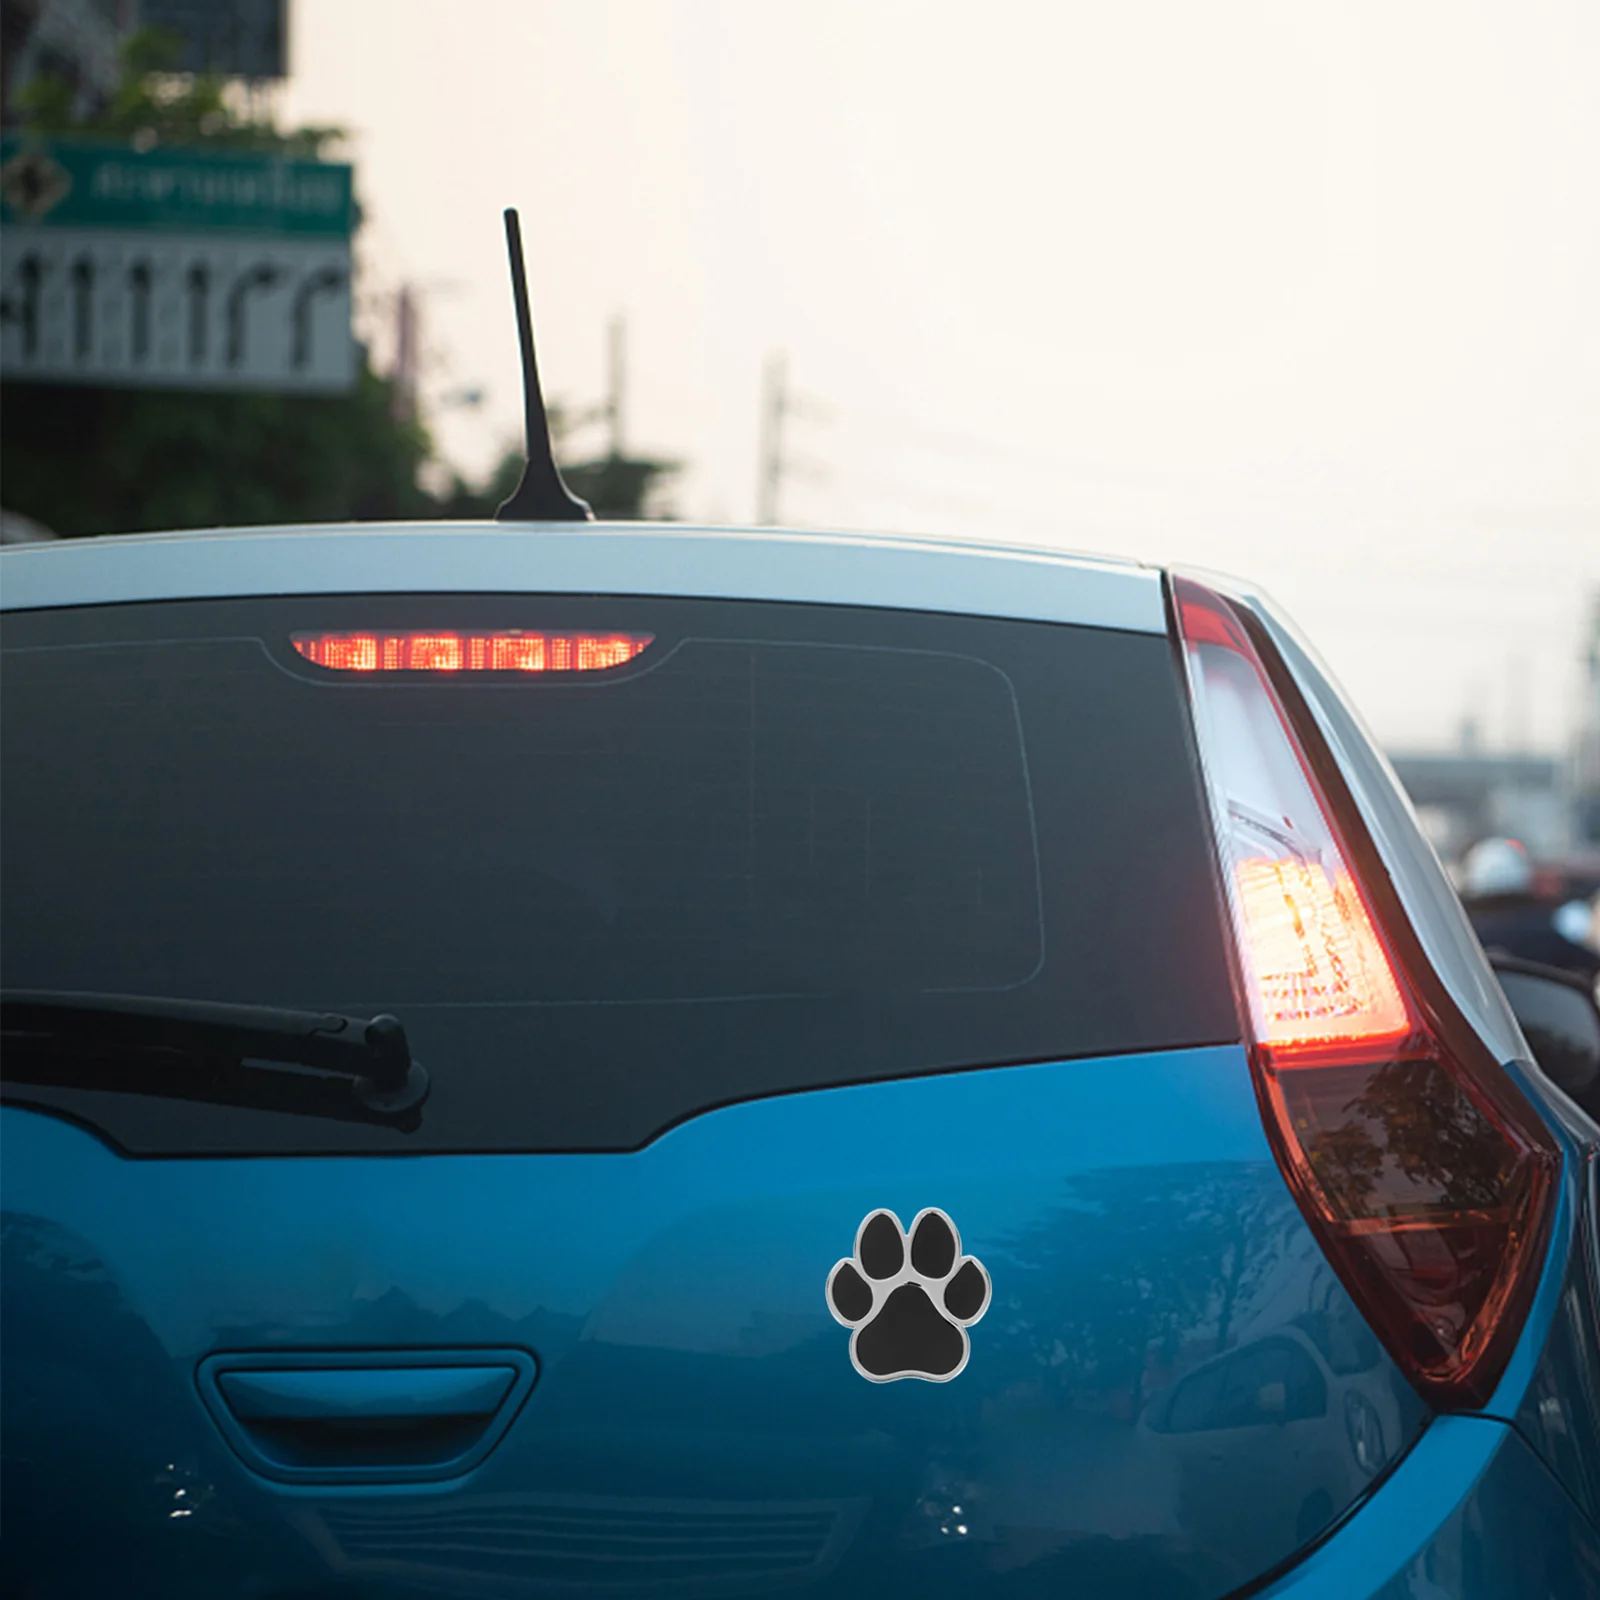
pixel 784 847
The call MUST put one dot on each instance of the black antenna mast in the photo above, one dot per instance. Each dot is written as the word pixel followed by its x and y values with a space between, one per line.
pixel 541 496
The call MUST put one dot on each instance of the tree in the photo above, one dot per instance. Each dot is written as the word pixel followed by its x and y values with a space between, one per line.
pixel 86 460
pixel 615 485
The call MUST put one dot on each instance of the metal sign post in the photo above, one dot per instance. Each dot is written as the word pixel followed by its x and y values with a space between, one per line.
pixel 174 269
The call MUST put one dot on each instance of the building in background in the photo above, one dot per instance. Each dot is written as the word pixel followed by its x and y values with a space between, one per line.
pixel 1467 795
pixel 246 39
pixel 73 40
pixel 1551 803
pixel 78 41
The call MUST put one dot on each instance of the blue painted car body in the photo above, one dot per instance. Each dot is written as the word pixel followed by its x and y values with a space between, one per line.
pixel 674 1298
pixel 1470 1514
pixel 1170 1395
pixel 690 1378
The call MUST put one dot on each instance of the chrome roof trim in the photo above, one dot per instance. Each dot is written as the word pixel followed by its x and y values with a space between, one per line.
pixel 909 574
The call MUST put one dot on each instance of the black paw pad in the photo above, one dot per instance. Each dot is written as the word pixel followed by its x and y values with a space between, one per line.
pixel 880 1246
pixel 849 1294
pixel 934 1246
pixel 909 1297
pixel 966 1296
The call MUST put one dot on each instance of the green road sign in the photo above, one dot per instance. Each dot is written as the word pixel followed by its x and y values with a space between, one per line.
pixel 174 268
pixel 63 184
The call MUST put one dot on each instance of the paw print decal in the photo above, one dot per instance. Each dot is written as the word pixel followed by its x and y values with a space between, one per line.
pixel 909 1296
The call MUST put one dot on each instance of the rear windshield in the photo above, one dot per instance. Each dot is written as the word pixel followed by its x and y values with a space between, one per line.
pixel 776 847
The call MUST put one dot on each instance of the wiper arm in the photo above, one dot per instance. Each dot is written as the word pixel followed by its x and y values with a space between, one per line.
pixel 315 1063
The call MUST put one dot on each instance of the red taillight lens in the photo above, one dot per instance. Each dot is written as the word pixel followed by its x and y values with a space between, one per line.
pixel 470 652
pixel 1424 1173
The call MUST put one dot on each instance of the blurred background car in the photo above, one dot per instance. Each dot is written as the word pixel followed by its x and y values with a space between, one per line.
pixel 1530 913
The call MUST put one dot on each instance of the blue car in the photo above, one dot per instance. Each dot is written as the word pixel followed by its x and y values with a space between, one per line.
pixel 554 1060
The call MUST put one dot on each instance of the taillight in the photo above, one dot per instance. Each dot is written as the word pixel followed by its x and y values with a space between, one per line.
pixel 1424 1173
pixel 470 652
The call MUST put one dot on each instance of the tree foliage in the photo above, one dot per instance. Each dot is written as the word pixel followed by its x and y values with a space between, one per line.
pixel 153 104
pixel 87 460
pixel 613 485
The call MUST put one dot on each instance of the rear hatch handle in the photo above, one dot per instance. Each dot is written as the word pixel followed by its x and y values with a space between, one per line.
pixel 365 1416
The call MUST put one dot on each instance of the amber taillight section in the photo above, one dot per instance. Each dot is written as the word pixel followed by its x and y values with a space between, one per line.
pixel 470 652
pixel 1425 1174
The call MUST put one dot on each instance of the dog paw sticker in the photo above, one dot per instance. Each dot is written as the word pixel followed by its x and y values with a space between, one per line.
pixel 909 1297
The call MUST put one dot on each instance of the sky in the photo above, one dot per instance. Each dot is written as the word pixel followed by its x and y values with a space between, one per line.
pixel 1303 290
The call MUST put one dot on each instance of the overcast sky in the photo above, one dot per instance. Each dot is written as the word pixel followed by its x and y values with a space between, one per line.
pixel 1303 289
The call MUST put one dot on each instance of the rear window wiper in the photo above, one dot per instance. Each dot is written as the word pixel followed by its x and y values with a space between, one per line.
pixel 311 1063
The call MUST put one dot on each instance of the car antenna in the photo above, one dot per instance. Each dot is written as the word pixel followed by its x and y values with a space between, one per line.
pixel 541 496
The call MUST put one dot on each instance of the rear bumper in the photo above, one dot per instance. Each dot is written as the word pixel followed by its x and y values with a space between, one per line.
pixel 1470 1514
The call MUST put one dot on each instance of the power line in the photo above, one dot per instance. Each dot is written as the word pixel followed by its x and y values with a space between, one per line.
pixel 1311 492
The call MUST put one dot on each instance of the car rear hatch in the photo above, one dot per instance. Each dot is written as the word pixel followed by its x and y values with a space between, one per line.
pixel 840 1167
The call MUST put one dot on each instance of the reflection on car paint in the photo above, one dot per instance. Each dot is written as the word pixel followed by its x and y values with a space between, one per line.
pixel 688 1366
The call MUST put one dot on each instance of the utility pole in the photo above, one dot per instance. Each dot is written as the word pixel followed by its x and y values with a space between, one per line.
pixel 617 362
pixel 407 355
pixel 774 408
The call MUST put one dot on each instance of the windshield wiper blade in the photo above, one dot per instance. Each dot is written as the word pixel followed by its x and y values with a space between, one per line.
pixel 315 1063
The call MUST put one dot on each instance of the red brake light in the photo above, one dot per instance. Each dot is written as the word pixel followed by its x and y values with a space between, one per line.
pixel 1425 1174
pixel 1320 974
pixel 470 652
